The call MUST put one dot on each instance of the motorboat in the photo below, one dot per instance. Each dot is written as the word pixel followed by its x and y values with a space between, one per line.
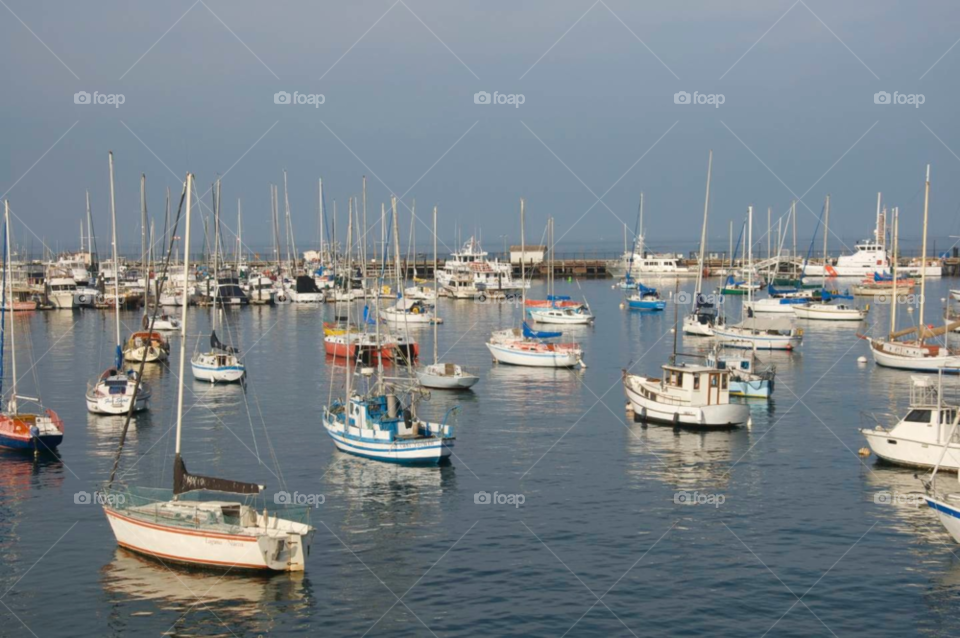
pixel 686 395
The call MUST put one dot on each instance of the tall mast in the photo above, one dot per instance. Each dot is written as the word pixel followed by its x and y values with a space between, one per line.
pixel 703 231
pixel 183 324
pixel 640 237
pixel 523 259
pixel 366 241
pixel 143 218
pixel 769 228
pixel 239 236
pixel 893 271
pixel 320 197
pixel 876 228
pixel 793 215
pixel 923 263
pixel 436 292
pixel 349 302
pixel 89 230
pixel 826 231
pixel 116 268
pixel 750 254
pixel 8 270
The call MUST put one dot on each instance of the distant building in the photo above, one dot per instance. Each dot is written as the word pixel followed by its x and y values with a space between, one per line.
pixel 529 254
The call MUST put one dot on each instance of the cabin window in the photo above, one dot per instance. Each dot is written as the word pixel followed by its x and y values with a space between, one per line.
pixel 714 380
pixel 744 365
pixel 723 382
pixel 947 417
pixel 696 382
pixel 919 416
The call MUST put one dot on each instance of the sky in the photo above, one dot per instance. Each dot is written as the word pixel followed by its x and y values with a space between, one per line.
pixel 597 124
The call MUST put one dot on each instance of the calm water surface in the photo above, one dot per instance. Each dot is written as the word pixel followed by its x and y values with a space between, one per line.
pixel 798 546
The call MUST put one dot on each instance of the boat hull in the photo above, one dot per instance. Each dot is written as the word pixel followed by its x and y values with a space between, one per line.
pixel 445 382
pixel 749 341
pixel 42 443
pixel 900 450
pixel 431 451
pixel 217 374
pixel 829 314
pixel 116 404
pixel 556 359
pixel 206 549
pixel 948 514
pixel 710 416
pixel 950 364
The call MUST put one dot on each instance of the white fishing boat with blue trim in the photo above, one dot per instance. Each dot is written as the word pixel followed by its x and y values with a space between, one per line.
pixel 687 395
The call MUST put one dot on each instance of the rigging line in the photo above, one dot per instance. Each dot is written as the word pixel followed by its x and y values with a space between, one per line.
pixel 153 319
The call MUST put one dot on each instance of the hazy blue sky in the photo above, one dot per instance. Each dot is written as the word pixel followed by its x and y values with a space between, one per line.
pixel 798 80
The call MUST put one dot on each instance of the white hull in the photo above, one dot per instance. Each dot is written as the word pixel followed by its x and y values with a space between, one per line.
pixel 562 318
pixel 747 339
pixel 825 312
pixel 512 356
pixel 217 374
pixel 115 405
pixel 265 548
pixel 435 377
pixel 948 514
pixel 149 354
pixel 715 416
pixel 62 300
pixel 306 297
pixel 900 358
pixel 414 451
pixel 404 318
pixel 910 452
pixel 693 327
pixel 771 306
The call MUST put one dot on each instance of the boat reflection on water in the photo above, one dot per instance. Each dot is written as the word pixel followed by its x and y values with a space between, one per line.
pixel 199 602
pixel 684 459
pixel 550 390
pixel 105 431
pixel 897 496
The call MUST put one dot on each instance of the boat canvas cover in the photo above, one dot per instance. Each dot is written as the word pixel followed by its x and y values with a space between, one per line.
pixel 530 333
pixel 184 482
pixel 216 344
pixel 306 284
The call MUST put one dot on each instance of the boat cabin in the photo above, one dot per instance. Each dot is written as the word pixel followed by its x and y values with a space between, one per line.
pixel 696 384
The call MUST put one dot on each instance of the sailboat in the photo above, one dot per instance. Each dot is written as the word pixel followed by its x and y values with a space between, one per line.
pixel 113 391
pixel 221 363
pixel 26 431
pixel 559 309
pixel 443 376
pixel 701 320
pixel 754 333
pixel 380 421
pixel 178 526
pixel 916 354
pixel 527 347
pixel 406 311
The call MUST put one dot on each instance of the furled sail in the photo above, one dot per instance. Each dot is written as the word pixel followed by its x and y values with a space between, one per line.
pixel 184 482
pixel 215 344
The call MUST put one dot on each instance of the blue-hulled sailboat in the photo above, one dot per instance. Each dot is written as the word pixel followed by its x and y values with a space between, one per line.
pixel 646 299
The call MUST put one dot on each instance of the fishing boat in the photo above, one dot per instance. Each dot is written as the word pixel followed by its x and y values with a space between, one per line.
pixel 24 431
pixel 380 421
pixel 178 526
pixel 527 347
pixel 443 376
pixel 745 380
pixel 686 395
pixel 116 391
pixel 62 292
pixel 644 298
pixel 917 440
pixel 306 291
pixel 917 353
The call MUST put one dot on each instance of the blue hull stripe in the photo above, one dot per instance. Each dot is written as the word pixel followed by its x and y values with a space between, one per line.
pixel 949 511
pixel 46 441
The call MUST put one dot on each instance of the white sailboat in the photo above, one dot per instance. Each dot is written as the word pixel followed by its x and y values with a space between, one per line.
pixel 756 333
pixel 221 363
pixel 443 376
pixel 177 526
pixel 380 421
pixel 559 309
pixel 113 391
pixel 701 321
pixel 526 347
pixel 916 354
